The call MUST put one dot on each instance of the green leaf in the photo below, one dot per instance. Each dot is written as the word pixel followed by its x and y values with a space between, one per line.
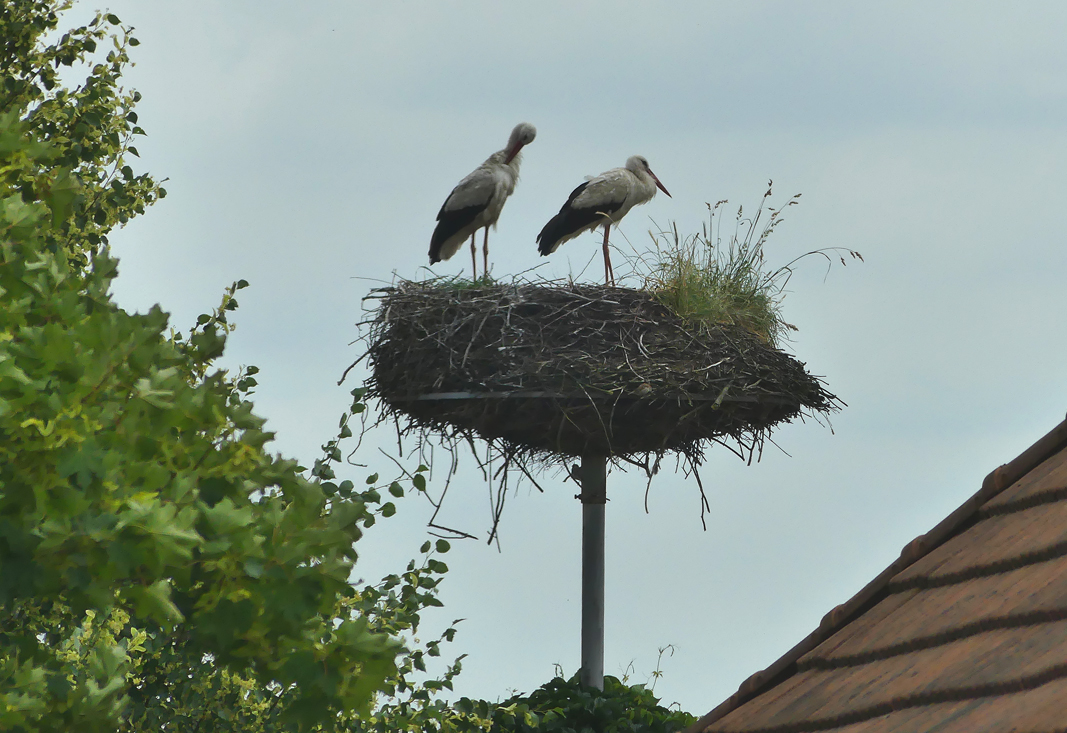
pixel 154 602
pixel 225 517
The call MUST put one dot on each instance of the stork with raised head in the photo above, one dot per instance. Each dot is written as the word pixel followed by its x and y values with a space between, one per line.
pixel 603 200
pixel 477 200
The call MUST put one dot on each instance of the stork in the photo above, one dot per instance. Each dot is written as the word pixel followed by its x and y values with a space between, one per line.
pixel 477 200
pixel 605 200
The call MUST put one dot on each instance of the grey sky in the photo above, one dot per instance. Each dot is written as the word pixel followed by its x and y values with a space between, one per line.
pixel 309 146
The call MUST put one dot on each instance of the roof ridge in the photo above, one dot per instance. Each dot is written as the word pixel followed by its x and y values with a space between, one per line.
pixel 996 567
pixel 1039 498
pixel 964 631
pixel 967 513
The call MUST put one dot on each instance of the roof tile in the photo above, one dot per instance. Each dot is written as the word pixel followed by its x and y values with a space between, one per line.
pixel 1050 476
pixel 1031 594
pixel 967 667
pixel 993 545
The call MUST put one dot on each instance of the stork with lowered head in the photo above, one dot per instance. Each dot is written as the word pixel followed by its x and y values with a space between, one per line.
pixel 477 200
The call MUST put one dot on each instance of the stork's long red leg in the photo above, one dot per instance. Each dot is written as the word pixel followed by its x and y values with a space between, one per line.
pixel 474 259
pixel 485 253
pixel 609 274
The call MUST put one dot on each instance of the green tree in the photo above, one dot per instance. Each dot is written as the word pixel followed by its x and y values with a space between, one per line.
pixel 148 541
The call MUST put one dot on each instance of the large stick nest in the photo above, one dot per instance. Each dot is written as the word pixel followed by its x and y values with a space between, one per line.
pixel 548 370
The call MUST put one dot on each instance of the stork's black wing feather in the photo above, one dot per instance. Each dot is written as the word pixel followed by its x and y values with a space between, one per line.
pixel 571 219
pixel 467 201
pixel 448 223
pixel 574 195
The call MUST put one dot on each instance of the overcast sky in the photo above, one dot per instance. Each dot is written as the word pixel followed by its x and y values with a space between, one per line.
pixel 309 146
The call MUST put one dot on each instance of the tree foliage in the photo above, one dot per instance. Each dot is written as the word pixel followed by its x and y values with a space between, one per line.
pixel 565 706
pixel 149 543
pixel 89 127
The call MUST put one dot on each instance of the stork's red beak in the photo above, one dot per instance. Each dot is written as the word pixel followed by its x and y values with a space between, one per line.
pixel 513 152
pixel 659 185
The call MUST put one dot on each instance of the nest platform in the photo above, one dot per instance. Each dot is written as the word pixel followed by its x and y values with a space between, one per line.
pixel 570 370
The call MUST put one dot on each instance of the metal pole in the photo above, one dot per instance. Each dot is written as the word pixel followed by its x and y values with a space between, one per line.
pixel 593 477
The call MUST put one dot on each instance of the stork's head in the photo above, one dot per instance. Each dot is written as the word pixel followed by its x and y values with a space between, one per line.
pixel 523 134
pixel 638 164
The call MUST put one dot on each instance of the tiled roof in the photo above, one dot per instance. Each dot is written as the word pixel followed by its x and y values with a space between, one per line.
pixel 966 632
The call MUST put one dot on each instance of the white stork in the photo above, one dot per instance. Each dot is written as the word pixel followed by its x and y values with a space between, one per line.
pixel 477 200
pixel 601 200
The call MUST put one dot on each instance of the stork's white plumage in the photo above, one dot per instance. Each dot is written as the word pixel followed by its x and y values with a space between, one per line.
pixel 477 200
pixel 602 200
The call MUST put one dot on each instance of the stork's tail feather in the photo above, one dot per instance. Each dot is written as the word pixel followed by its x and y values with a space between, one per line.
pixel 437 244
pixel 554 230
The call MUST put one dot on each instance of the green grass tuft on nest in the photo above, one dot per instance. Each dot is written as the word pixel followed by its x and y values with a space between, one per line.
pixel 708 281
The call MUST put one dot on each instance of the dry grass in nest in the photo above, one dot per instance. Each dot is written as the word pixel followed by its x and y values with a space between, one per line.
pixel 550 370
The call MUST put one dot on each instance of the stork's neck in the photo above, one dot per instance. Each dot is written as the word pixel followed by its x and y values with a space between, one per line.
pixel 508 172
pixel 500 156
pixel 646 187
